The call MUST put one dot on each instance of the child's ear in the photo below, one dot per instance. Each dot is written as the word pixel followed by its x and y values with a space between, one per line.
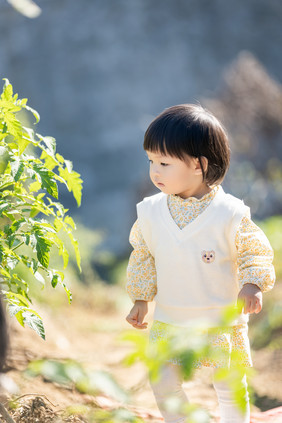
pixel 204 162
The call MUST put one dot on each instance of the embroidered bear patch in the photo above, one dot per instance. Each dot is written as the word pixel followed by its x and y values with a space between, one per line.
pixel 208 256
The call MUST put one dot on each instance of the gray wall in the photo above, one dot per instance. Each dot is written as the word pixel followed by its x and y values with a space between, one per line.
pixel 98 71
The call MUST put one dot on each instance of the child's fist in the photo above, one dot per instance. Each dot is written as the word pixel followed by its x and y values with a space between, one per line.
pixel 250 298
pixel 137 314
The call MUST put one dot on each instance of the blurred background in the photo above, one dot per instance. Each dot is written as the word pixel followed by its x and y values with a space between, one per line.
pixel 98 71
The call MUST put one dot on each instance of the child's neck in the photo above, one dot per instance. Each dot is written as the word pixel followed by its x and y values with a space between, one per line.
pixel 198 193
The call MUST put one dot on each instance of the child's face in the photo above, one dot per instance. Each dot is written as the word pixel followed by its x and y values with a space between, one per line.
pixel 175 176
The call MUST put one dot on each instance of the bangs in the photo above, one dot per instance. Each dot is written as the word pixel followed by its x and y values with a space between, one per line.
pixel 168 137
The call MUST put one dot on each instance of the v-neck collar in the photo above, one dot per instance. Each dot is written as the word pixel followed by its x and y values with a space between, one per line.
pixel 192 226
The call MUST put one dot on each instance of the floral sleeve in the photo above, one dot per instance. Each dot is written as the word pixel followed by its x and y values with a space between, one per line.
pixel 255 256
pixel 141 273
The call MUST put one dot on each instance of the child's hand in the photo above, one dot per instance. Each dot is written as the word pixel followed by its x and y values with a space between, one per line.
pixel 137 314
pixel 250 298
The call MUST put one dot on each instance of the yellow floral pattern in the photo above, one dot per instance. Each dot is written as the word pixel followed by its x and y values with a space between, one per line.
pixel 254 261
pixel 228 346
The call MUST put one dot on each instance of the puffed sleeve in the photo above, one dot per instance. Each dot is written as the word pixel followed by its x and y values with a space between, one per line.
pixel 141 272
pixel 255 256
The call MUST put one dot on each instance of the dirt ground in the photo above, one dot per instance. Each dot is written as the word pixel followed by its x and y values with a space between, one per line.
pixel 88 331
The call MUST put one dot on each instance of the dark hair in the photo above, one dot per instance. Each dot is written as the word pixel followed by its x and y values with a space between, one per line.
pixel 191 129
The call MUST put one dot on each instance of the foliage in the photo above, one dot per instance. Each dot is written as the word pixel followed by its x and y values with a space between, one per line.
pixel 266 330
pixel 101 415
pixel 73 374
pixel 175 348
pixel 31 217
pixel 272 227
pixel 154 356
pixel 93 256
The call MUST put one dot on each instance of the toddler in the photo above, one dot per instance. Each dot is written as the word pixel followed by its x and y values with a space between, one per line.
pixel 196 251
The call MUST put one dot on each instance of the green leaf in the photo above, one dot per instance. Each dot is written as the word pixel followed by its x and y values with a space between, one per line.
pixel 47 179
pixel 62 249
pixel 29 134
pixel 68 292
pixel 14 309
pixel 2 252
pixel 13 125
pixel 101 381
pixel 64 253
pixel 74 183
pixel 19 317
pixel 34 322
pixel 58 224
pixel 4 158
pixel 47 226
pixel 32 264
pixel 17 168
pixel 4 206
pixel 55 279
pixel 69 221
pixel 60 158
pixel 230 313
pixel 58 277
pixel 7 91
pixel 49 162
pixel 4 272
pixel 58 206
pixel 7 106
pixel 51 370
pixel 22 102
pixel 34 112
pixel 43 246
pixel 3 135
pixel 34 186
pixel 76 250
pixel 50 143
pixel 16 226
pixel 26 238
pixel 14 298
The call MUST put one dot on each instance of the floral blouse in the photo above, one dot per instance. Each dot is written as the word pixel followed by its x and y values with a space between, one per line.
pixel 254 259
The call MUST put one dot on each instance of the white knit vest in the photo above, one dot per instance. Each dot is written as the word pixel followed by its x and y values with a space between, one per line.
pixel 197 274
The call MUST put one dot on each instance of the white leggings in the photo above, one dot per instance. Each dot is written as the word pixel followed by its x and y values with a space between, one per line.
pixel 169 386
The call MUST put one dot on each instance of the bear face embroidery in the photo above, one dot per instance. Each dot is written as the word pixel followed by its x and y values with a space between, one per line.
pixel 208 256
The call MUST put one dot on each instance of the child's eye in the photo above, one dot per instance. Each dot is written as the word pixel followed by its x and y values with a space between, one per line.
pixel 164 164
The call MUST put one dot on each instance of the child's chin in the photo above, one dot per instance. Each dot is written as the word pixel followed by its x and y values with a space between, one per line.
pixel 165 190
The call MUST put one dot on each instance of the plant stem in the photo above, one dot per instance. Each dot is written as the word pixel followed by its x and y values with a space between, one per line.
pixel 6 416
pixel 17 246
pixel 6 185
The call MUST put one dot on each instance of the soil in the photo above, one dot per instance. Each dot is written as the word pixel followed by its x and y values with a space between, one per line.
pixel 87 331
